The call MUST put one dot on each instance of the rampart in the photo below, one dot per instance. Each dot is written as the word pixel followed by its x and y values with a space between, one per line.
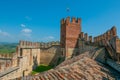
pixel 107 36
pixel 27 57
pixel 50 53
pixel 44 45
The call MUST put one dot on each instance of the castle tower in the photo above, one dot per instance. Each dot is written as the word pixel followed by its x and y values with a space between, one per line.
pixel 70 30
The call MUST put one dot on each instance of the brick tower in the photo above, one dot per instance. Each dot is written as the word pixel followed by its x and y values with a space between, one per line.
pixel 70 30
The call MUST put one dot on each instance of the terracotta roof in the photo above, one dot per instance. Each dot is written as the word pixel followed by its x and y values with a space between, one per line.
pixel 77 68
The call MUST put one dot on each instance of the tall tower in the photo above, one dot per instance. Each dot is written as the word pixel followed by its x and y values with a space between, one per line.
pixel 70 30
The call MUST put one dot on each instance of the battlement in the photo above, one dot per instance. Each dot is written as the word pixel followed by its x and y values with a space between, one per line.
pixel 72 20
pixel 86 36
pixel 81 35
pixel 108 35
pixel 7 55
pixel 49 44
pixel 6 61
pixel 5 64
pixel 90 39
pixel 27 44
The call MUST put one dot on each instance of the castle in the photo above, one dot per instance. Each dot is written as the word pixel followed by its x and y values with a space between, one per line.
pixel 72 35
pixel 73 42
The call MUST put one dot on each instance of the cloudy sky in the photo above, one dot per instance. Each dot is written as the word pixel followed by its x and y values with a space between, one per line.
pixel 39 20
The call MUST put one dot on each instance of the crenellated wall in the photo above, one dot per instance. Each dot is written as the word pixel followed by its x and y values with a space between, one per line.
pixel 107 36
pixel 26 58
pixel 27 44
pixel 70 30
pixel 49 44
pixel 111 41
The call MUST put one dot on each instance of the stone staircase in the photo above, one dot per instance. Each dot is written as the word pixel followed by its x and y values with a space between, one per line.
pixel 77 68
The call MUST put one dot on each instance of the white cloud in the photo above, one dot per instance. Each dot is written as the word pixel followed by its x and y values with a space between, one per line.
pixel 23 25
pixel 50 37
pixel 2 33
pixel 26 32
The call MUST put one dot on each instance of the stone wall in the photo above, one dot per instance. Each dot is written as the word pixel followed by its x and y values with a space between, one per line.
pixel 44 45
pixel 29 53
pixel 26 59
pixel 111 41
pixel 10 74
pixel 107 36
pixel 9 68
pixel 50 56
pixel 100 55
pixel 7 62
pixel 83 46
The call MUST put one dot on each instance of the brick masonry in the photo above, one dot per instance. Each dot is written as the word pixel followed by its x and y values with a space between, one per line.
pixel 70 30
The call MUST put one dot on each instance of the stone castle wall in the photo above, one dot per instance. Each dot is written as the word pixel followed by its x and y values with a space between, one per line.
pixel 27 57
pixel 111 41
pixel 50 55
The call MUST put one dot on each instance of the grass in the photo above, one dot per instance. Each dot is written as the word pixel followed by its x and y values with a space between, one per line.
pixel 7 48
pixel 41 68
pixel 4 51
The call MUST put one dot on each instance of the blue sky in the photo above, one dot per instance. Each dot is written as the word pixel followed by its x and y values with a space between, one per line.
pixel 39 20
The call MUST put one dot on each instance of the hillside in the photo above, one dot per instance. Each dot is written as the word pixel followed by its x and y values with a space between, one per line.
pixel 7 47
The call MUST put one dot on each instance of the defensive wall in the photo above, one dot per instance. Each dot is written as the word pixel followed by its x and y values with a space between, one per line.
pixel 27 57
pixel 50 53
pixel 20 64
